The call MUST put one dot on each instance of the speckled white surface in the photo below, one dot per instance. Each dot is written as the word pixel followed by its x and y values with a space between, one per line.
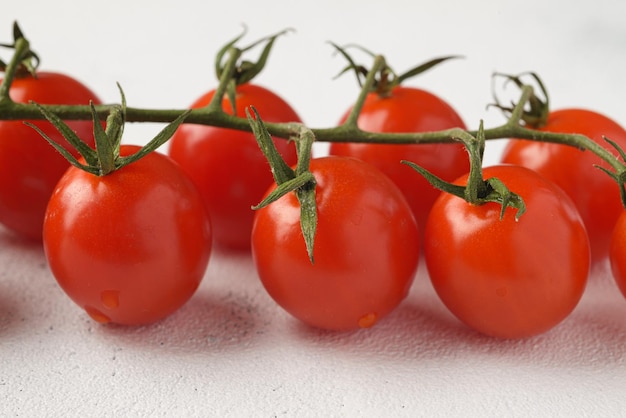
pixel 231 351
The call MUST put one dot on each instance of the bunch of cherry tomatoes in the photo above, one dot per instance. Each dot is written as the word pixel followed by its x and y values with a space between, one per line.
pixel 133 245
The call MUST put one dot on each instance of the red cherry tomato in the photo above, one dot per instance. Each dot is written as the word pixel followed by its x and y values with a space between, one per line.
pixel 366 248
pixel 595 194
pixel 508 278
pixel 129 247
pixel 617 253
pixel 409 109
pixel 227 165
pixel 29 167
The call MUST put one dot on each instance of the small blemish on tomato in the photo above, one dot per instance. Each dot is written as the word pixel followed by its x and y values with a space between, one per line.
pixel 110 298
pixel 501 291
pixel 367 321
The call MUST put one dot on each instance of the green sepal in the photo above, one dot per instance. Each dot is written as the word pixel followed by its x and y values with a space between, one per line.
pixel 161 138
pixel 68 156
pixel 116 121
pixel 477 191
pixel 437 182
pixel 106 157
pixel 499 193
pixel 280 169
pixel 222 52
pixel 247 70
pixel 538 110
pixel 285 188
pixel 301 180
pixel 29 61
pixel 387 78
pixel 90 155
pixel 423 68
pixel 308 215
pixel 359 70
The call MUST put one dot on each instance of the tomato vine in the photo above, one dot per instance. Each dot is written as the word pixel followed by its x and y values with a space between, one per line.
pixel 214 115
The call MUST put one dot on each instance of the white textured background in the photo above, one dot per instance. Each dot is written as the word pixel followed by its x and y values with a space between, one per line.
pixel 231 351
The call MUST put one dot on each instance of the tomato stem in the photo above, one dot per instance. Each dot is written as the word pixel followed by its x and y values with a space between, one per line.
pixel 537 114
pixel 226 83
pixel 234 73
pixel 22 59
pixel 385 77
pixel 300 181
pixel 370 79
pixel 477 190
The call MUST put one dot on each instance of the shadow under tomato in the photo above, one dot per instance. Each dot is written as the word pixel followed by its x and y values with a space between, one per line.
pixel 206 323
pixel 13 240
pixel 421 330
pixel 10 315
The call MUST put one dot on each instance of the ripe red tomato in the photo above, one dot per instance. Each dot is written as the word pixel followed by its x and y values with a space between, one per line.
pixel 408 109
pixel 509 278
pixel 129 247
pixel 617 253
pixel 595 194
pixel 366 248
pixel 29 166
pixel 227 165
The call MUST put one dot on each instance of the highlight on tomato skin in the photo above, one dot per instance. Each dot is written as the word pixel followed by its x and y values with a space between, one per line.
pixel 595 194
pixel 29 166
pixel 509 278
pixel 227 165
pixel 366 248
pixel 130 247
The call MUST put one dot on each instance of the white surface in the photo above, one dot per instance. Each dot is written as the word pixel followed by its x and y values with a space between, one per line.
pixel 231 351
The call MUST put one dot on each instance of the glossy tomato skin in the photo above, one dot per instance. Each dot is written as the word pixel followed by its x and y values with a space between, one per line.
pixel 366 248
pixel 29 166
pixel 130 247
pixel 508 278
pixel 227 165
pixel 595 194
pixel 617 253
pixel 409 109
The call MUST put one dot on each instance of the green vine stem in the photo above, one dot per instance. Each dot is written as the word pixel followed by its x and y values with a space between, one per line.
pixel 22 48
pixel 213 115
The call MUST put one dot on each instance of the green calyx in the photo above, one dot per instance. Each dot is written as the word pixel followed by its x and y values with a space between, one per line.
pixel 106 157
pixel 535 115
pixel 387 78
pixel 478 190
pixel 28 61
pixel 243 71
pixel 300 181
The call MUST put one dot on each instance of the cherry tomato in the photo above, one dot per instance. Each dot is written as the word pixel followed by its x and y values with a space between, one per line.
pixel 366 248
pixel 29 166
pixel 227 165
pixel 618 253
pixel 595 194
pixel 409 109
pixel 509 278
pixel 129 247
